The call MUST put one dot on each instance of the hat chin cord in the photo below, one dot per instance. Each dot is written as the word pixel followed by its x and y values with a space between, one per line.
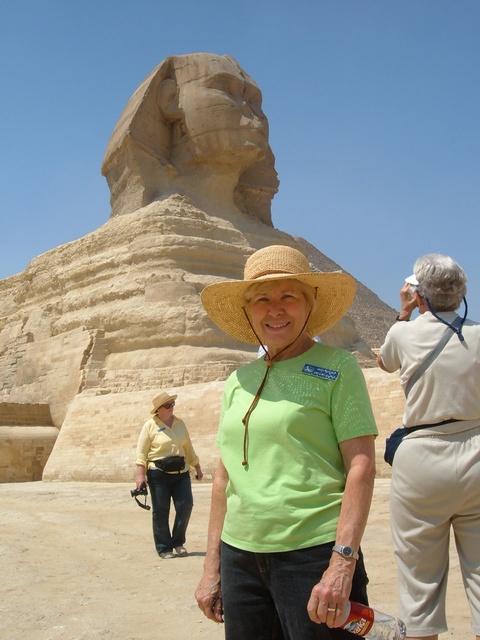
pixel 269 362
pixel 270 359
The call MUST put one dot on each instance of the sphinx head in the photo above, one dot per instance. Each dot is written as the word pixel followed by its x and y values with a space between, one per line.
pixel 195 118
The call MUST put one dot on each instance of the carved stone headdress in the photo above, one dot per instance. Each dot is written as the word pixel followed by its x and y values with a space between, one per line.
pixel 138 165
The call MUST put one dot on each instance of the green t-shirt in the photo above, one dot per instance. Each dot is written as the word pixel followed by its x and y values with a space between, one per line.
pixel 289 495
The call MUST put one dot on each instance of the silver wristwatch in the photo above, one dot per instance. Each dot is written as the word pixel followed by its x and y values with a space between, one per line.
pixel 346 552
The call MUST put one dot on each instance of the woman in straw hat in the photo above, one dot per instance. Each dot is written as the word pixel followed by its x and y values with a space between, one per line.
pixel 294 484
pixel 164 456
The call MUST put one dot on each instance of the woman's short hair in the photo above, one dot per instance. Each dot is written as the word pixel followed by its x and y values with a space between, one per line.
pixel 441 280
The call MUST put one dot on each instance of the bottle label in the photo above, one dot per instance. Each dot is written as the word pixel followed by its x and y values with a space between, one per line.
pixel 360 619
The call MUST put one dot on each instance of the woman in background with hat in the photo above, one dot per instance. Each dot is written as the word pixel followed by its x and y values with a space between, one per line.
pixel 293 487
pixel 164 456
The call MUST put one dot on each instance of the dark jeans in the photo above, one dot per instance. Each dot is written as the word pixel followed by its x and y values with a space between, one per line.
pixel 165 487
pixel 265 595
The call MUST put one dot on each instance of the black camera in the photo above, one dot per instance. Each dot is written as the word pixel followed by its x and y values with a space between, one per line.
pixel 143 491
pixel 139 492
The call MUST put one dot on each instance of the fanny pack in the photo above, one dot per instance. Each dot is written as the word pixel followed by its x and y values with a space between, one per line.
pixel 395 439
pixel 393 442
pixel 170 463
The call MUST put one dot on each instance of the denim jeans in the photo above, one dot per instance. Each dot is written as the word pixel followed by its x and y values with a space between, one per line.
pixel 265 595
pixel 165 487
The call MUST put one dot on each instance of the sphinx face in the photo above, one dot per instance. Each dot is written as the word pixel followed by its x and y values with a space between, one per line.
pixel 223 119
pixel 194 125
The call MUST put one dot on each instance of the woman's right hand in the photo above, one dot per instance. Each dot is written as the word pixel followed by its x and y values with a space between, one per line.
pixel 208 593
pixel 408 302
pixel 209 597
pixel 141 476
pixel 141 480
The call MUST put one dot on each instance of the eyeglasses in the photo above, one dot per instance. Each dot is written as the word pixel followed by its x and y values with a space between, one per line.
pixel 168 405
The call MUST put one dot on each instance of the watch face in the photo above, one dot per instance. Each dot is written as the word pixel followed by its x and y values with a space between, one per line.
pixel 347 551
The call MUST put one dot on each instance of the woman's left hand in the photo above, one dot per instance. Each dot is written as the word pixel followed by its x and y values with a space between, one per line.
pixel 329 596
pixel 209 596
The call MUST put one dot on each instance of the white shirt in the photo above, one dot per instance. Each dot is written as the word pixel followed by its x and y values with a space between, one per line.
pixel 450 387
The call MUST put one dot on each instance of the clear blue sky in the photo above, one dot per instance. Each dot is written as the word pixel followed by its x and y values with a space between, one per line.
pixel 373 106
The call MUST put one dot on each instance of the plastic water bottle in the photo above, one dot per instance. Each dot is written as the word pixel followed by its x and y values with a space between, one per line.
pixel 369 623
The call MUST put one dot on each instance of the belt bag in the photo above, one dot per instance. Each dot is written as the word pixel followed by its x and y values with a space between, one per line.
pixel 395 439
pixel 170 463
pixel 393 442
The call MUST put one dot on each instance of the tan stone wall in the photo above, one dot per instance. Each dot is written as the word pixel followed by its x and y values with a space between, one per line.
pixel 26 441
pixel 388 402
pixel 24 451
pixel 49 368
pixel 98 438
pixel 124 380
pixel 26 413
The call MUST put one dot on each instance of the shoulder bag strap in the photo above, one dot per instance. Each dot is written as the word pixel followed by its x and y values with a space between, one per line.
pixel 432 355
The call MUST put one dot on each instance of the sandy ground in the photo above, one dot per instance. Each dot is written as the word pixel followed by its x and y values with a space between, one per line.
pixel 77 562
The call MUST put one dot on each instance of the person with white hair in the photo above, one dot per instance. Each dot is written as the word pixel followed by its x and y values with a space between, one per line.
pixel 436 469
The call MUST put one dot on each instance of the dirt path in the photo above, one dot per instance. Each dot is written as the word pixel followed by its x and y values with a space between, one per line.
pixel 77 563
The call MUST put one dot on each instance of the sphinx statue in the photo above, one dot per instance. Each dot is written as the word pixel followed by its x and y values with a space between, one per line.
pixel 192 177
pixel 96 326
pixel 194 127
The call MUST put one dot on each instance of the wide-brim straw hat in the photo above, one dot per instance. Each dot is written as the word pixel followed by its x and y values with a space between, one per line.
pixel 224 301
pixel 161 398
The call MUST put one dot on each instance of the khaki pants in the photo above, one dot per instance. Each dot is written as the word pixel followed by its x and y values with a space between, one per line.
pixel 436 488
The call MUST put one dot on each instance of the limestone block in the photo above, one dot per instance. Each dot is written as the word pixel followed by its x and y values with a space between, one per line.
pixel 24 451
pixel 26 440
pixel 103 449
pixel 47 370
pixel 98 438
pixel 388 402
pixel 26 413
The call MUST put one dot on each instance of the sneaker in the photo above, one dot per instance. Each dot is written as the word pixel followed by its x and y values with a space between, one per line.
pixel 166 555
pixel 181 551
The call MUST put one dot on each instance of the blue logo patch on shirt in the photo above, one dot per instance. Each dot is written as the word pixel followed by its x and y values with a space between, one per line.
pixel 320 372
pixel 160 429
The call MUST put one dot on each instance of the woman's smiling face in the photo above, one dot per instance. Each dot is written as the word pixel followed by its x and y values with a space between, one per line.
pixel 278 312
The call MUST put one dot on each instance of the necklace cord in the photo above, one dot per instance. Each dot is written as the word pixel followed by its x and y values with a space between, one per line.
pixel 269 362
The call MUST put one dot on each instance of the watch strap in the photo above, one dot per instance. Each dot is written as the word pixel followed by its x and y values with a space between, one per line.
pixel 346 552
